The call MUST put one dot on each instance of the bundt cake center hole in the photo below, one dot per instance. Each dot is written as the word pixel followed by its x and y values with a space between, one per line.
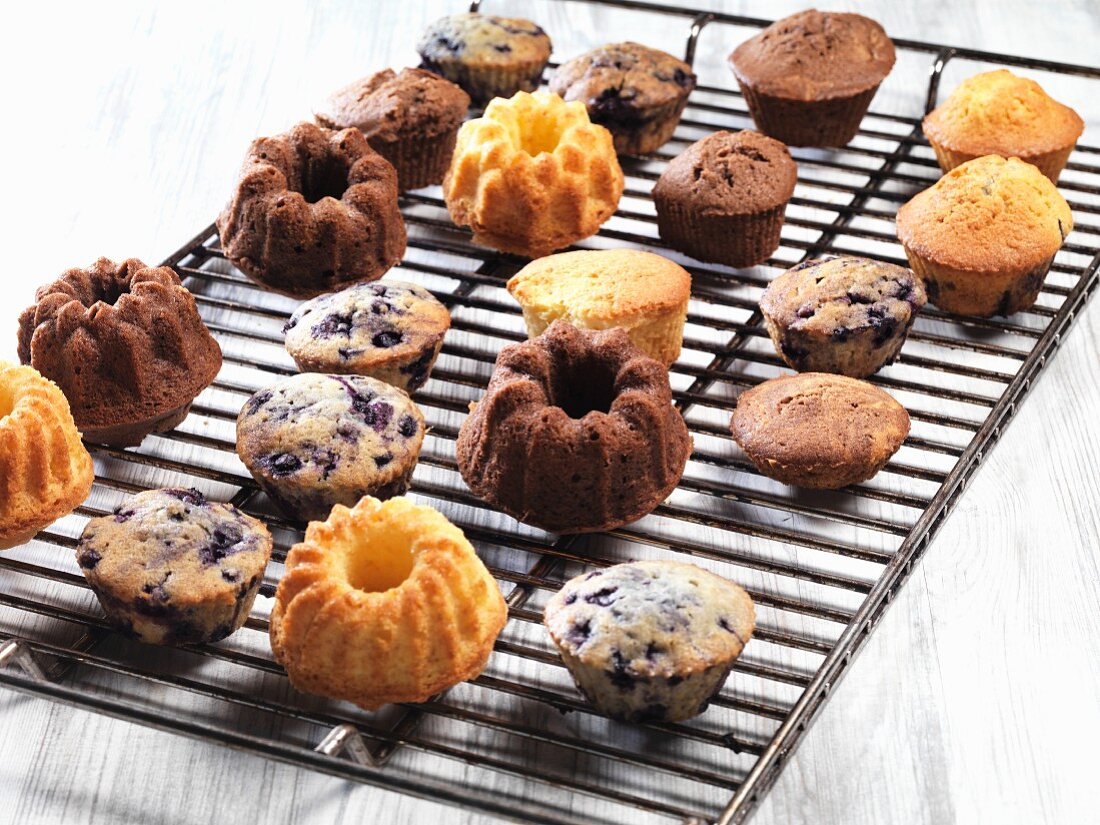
pixel 324 177
pixel 109 290
pixel 583 388
pixel 381 563
pixel 542 133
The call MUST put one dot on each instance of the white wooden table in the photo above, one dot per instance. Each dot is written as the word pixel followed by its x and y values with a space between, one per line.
pixel 976 698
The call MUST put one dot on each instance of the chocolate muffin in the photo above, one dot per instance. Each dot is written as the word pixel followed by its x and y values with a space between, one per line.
pixel 809 78
pixel 487 56
pixel 846 315
pixel 635 92
pixel 722 200
pixel 410 118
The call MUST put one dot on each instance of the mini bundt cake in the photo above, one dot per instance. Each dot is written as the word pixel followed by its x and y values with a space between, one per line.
pixel 126 345
pixel 45 472
pixel 533 175
pixel 314 210
pixel 385 602
pixel 576 432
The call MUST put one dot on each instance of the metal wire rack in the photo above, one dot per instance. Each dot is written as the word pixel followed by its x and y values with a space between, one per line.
pixel 518 741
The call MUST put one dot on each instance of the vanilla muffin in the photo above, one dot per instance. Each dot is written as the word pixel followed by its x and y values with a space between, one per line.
pixel 999 113
pixel 389 330
pixel 312 441
pixel 640 292
pixel 818 430
pixel 487 56
pixel 532 175
pixel 846 315
pixel 984 236
pixel 650 640
pixel 638 93
pixel 171 568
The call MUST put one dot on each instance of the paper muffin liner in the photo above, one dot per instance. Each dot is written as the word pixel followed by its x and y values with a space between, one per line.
pixel 1050 164
pixel 976 292
pixel 419 161
pixel 831 122
pixel 482 83
pixel 651 133
pixel 734 240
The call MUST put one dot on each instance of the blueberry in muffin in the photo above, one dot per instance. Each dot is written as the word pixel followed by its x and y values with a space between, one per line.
pixel 635 92
pixel 487 56
pixel 312 441
pixel 171 568
pixel 650 640
pixel 845 315
pixel 389 330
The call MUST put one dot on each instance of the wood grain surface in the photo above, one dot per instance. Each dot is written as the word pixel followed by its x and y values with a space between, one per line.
pixel 976 700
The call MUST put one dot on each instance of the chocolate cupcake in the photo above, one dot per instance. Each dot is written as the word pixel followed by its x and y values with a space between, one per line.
pixel 410 118
pixel 487 56
pixel 809 78
pixel 722 200
pixel 635 92
pixel 845 315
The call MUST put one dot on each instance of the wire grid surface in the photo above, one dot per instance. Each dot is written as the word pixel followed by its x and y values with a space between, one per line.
pixel 519 741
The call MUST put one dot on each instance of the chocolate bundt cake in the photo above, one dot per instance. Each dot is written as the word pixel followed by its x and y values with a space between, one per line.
pixel 576 432
pixel 125 344
pixel 315 210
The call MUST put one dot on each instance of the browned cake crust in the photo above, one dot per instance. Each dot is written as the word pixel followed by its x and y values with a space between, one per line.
pixel 819 430
pixel 809 78
pixel 314 210
pixel 125 344
pixel 576 432
pixel 409 117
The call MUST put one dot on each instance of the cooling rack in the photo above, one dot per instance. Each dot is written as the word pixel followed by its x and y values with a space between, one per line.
pixel 519 742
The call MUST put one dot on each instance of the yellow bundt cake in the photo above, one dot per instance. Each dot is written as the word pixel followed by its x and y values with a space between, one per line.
pixel 533 175
pixel 385 602
pixel 45 472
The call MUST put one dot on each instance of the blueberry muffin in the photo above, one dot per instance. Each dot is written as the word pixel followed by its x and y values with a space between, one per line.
pixel 410 118
pixel 650 640
pixel 487 56
pixel 171 568
pixel 818 430
pixel 635 92
pixel 723 199
pixel 846 315
pixel 389 330
pixel 312 441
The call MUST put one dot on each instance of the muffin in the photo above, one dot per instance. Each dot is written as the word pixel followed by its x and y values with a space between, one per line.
pixel 389 330
pixel 532 175
pixel 410 118
pixel 818 430
pixel 636 291
pixel 487 56
pixel 637 93
pixel 312 441
pixel 385 602
pixel 809 78
pixel 650 640
pixel 45 472
pixel 846 315
pixel 999 113
pixel 984 235
pixel 171 568
pixel 723 199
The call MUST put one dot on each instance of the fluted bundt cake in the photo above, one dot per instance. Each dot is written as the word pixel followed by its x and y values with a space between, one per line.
pixel 385 602
pixel 533 175
pixel 576 432
pixel 126 345
pixel 45 472
pixel 314 210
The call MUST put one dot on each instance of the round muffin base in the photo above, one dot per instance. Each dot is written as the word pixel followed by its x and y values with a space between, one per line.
pixel 408 374
pixel 483 83
pixel 659 336
pixel 419 162
pixel 10 540
pixel 131 434
pixel 974 292
pixel 733 240
pixel 1050 164
pixel 650 132
pixel 857 356
pixel 831 122
pixel 305 505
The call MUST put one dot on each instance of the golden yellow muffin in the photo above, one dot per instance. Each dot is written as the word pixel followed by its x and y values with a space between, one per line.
pixel 532 175
pixel 45 472
pixel 385 602
pixel 640 292
pixel 984 235
pixel 999 113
